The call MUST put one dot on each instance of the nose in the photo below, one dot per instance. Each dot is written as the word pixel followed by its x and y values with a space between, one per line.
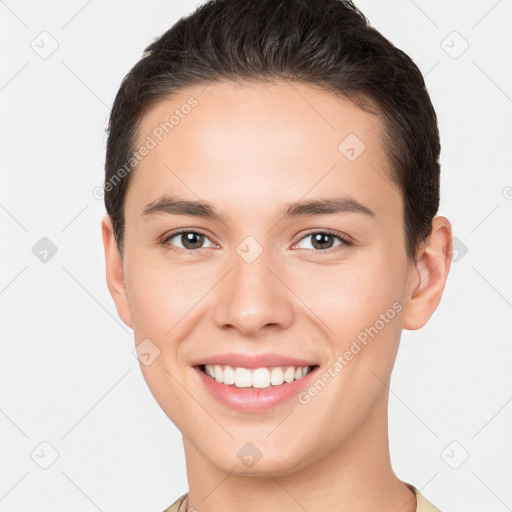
pixel 254 296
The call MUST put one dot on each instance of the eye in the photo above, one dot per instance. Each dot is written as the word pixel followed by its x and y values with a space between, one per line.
pixel 323 240
pixel 190 240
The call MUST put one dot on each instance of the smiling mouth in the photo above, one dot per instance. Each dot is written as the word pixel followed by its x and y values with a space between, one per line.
pixel 256 378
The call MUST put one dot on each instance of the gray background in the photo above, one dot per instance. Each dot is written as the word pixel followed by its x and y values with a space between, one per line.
pixel 68 375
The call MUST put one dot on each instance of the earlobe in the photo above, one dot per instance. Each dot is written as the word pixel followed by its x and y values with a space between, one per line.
pixel 114 272
pixel 428 276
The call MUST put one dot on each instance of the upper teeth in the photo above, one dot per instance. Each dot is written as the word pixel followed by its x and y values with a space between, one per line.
pixel 258 377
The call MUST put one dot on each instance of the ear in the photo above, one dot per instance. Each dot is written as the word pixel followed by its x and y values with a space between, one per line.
pixel 114 271
pixel 427 277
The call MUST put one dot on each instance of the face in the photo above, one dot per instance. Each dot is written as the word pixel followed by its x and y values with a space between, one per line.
pixel 325 285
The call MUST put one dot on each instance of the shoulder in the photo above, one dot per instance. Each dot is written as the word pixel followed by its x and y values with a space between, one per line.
pixel 422 504
pixel 176 505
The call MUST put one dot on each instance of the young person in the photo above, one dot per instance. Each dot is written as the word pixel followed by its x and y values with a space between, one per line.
pixel 272 185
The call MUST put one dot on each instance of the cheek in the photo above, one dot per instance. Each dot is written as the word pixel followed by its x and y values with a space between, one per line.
pixel 161 294
pixel 345 299
pixel 358 307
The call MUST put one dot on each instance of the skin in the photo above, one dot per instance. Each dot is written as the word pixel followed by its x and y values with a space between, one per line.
pixel 249 149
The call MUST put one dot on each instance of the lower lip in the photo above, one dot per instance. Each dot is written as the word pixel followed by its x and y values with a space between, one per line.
pixel 254 400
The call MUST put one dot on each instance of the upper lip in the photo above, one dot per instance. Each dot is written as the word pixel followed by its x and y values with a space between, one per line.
pixel 254 361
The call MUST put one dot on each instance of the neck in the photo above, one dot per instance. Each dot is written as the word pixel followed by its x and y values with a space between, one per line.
pixel 354 476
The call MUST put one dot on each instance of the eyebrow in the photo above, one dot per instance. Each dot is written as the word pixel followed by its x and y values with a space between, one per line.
pixel 172 205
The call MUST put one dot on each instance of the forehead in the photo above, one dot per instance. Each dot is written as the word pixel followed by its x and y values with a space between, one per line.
pixel 236 142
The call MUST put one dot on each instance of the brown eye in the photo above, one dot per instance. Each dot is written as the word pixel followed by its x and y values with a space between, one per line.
pixel 324 240
pixel 189 240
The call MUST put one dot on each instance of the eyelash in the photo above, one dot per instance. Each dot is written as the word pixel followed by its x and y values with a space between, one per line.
pixel 345 241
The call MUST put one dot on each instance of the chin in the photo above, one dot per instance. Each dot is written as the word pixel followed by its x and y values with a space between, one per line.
pixel 278 465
